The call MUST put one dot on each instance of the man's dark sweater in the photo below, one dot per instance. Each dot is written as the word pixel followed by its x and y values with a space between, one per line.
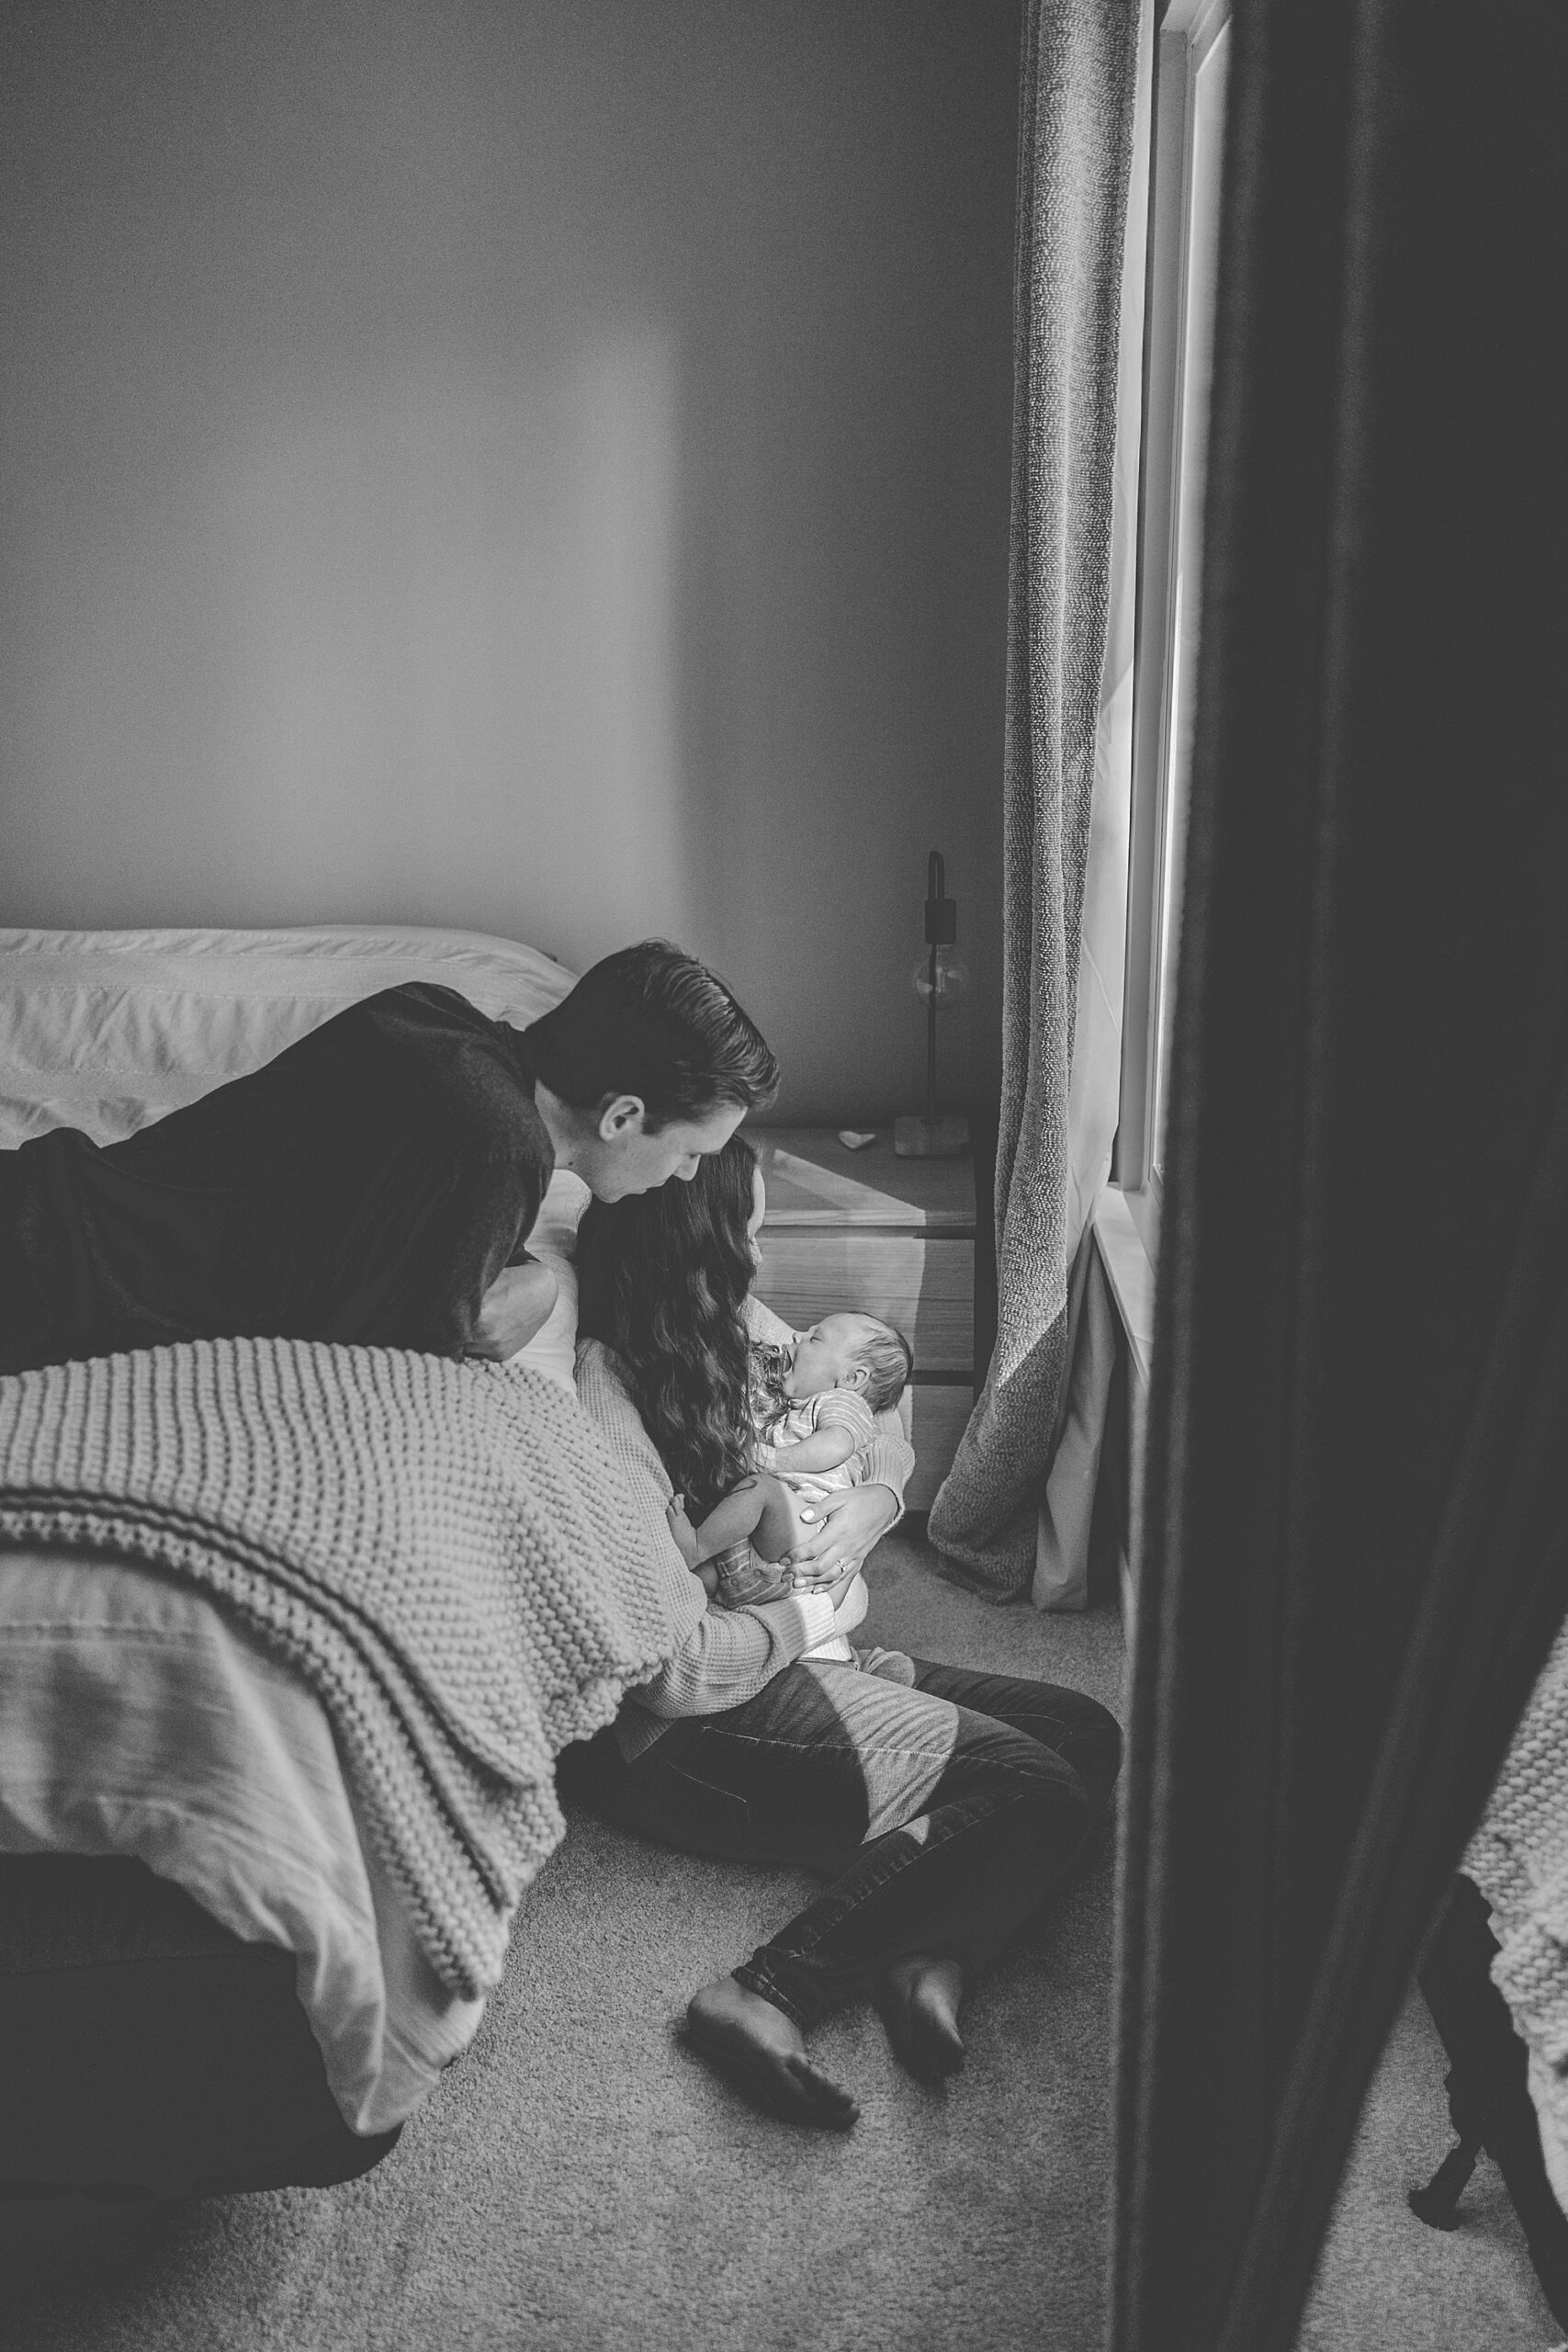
pixel 366 1186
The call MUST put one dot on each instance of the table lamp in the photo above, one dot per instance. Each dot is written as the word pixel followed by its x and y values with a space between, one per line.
pixel 941 980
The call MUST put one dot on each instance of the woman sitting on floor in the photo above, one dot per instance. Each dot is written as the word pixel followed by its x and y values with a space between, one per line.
pixel 943 1813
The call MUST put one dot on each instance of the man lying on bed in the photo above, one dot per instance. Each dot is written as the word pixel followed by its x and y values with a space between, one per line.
pixel 377 1181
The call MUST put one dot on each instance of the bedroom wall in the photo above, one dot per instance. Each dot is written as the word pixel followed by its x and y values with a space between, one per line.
pixel 537 468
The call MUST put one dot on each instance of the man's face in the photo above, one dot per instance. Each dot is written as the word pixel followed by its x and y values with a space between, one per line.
pixel 625 1158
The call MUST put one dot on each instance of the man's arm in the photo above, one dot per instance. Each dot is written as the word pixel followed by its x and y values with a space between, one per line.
pixel 514 1310
pixel 449 1071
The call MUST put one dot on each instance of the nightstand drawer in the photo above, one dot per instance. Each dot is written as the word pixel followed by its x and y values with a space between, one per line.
pixel 924 1286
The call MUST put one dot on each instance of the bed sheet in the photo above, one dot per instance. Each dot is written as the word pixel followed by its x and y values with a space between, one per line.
pixel 136 1719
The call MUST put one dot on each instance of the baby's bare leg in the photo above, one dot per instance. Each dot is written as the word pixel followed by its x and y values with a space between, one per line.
pixel 761 1510
pixel 685 1536
pixel 781 1527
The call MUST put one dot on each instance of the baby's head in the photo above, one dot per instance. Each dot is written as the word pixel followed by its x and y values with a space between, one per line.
pixel 851 1351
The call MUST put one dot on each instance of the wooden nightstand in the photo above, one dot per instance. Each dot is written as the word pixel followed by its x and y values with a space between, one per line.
pixel 894 1236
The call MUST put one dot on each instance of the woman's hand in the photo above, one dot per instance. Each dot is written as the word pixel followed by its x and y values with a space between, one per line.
pixel 843 1530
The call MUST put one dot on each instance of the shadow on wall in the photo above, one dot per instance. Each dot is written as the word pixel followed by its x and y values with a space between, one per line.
pixel 540 470
pixel 427 661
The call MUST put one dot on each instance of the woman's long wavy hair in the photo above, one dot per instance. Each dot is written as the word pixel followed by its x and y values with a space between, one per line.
pixel 663 1278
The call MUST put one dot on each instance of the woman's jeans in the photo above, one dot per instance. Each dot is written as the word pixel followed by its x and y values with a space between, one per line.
pixel 944 1815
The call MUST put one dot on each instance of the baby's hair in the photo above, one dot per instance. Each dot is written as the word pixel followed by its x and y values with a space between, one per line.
pixel 889 1363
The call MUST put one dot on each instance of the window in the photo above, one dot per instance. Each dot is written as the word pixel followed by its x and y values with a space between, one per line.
pixel 1191 60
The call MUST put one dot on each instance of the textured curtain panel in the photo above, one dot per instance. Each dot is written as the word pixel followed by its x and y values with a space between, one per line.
pixel 1075 155
pixel 1356 1509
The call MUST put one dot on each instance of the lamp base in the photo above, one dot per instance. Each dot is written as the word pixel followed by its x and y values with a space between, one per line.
pixel 916 1138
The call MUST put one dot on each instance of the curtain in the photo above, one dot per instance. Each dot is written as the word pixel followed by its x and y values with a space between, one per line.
pixel 1066 1505
pixel 1355 1523
pixel 1076 151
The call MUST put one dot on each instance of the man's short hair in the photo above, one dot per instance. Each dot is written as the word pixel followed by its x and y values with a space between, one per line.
pixel 652 1022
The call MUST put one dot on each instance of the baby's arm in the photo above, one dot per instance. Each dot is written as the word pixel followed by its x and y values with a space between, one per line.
pixel 843 1428
pixel 825 1448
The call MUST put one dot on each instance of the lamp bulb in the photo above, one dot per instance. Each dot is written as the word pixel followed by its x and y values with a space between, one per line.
pixel 952 979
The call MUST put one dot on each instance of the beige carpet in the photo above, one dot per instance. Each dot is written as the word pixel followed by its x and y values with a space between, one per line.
pixel 580 2181
pixel 580 2184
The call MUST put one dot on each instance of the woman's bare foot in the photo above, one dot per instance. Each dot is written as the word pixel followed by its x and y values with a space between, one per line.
pixel 760 2051
pixel 919 2001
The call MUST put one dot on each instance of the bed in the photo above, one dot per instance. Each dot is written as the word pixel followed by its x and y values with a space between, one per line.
pixel 210 1980
pixel 1495 1977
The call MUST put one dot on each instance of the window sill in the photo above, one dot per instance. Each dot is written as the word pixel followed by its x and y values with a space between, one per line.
pixel 1129 1271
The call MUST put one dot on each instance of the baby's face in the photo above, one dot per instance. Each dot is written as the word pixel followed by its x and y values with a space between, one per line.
pixel 824 1357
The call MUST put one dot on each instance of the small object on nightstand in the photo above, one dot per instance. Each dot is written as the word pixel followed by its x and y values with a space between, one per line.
pixel 852 1139
pixel 941 980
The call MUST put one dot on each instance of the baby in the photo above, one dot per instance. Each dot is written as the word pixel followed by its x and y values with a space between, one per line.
pixel 814 1408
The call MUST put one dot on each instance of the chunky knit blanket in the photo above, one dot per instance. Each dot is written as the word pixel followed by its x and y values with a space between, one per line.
pixel 446 1551
pixel 1519 1858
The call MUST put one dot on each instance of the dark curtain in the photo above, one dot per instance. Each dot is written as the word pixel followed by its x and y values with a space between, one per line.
pixel 1356 1504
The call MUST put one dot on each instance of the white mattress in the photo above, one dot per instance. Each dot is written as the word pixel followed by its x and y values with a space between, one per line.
pixel 107 1030
pixel 133 1717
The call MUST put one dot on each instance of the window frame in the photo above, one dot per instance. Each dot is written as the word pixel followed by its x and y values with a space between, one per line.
pixel 1183 41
